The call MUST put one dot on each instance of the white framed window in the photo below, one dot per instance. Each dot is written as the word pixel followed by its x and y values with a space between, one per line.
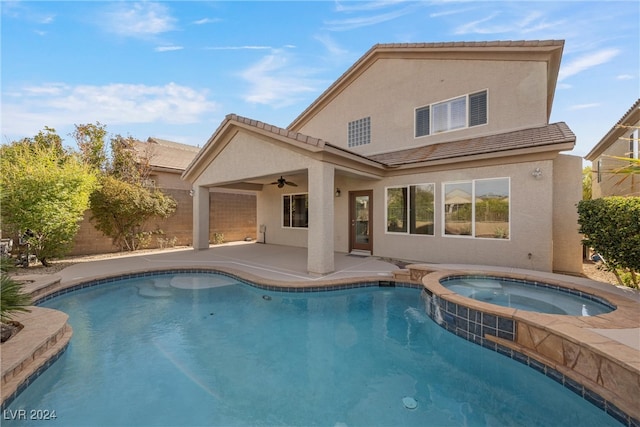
pixel 359 132
pixel 295 210
pixel 478 208
pixel 410 209
pixel 453 114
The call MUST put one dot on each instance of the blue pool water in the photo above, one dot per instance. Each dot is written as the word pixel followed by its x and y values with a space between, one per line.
pixel 524 295
pixel 199 349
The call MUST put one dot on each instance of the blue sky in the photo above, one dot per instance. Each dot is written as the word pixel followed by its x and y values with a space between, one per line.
pixel 173 69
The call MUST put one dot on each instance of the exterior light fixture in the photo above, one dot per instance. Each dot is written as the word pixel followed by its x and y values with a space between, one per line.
pixel 337 192
pixel 537 173
pixel 191 193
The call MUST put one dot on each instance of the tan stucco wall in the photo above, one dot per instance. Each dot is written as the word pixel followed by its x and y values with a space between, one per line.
pixel 567 192
pixel 530 222
pixel 389 92
pixel 248 156
pixel 551 239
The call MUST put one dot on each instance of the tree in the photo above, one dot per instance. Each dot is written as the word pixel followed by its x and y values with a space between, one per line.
pixel 45 190
pixel 122 209
pixel 90 139
pixel 611 226
pixel 586 183
pixel 123 204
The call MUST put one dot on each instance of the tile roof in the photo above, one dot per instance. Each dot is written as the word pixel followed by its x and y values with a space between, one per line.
pixel 557 133
pixel 167 154
pixel 629 118
pixel 278 130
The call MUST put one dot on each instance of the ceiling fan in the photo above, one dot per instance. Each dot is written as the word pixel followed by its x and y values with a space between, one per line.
pixel 281 182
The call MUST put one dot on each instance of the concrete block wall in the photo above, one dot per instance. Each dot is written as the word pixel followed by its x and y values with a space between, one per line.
pixel 232 214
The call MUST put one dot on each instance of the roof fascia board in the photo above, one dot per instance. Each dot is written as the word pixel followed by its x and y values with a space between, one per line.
pixel 495 158
pixel 472 163
pixel 631 117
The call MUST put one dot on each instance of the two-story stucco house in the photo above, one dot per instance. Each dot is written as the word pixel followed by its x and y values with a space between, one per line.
pixel 621 142
pixel 433 152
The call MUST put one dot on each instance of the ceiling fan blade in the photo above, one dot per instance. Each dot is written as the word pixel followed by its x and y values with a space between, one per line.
pixel 293 184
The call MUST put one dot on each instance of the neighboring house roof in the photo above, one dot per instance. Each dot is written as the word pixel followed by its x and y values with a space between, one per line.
pixel 549 51
pixel 556 136
pixel 167 155
pixel 630 118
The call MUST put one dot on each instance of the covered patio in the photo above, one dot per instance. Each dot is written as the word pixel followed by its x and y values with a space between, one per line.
pixel 247 155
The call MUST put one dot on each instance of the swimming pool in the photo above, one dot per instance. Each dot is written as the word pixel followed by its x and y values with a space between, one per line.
pixel 527 295
pixel 205 349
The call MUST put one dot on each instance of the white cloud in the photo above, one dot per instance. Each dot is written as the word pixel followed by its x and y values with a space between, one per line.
pixel 585 62
pixel 28 109
pixel 276 81
pixel 139 19
pixel 332 47
pixel 368 20
pixel 625 77
pixel 583 106
pixel 168 48
pixel 246 47
pixel 206 21
pixel 531 22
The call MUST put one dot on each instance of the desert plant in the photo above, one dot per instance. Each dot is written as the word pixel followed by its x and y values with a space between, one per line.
pixel 12 298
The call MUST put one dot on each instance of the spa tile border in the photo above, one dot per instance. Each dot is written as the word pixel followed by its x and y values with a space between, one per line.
pixel 536 284
pixel 473 324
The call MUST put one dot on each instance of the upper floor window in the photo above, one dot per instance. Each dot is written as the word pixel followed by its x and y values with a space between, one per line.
pixel 633 145
pixel 359 132
pixel 457 113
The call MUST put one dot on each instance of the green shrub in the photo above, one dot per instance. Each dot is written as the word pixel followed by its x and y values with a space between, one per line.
pixel 611 226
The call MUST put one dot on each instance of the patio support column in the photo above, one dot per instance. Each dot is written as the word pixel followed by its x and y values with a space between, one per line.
pixel 320 258
pixel 200 218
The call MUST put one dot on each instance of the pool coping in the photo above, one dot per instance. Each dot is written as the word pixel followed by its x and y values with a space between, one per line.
pixel 567 346
pixel 568 328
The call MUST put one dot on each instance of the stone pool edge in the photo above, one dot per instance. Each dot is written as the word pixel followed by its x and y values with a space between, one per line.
pixel 565 348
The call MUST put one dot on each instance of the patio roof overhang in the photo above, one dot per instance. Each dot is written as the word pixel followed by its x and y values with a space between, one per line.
pixel 295 144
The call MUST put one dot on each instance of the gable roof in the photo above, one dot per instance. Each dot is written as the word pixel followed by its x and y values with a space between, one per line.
pixel 557 136
pixel 549 51
pixel 553 137
pixel 630 118
pixel 295 140
pixel 165 154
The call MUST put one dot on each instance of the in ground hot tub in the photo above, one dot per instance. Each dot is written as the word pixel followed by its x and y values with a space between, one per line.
pixel 527 295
